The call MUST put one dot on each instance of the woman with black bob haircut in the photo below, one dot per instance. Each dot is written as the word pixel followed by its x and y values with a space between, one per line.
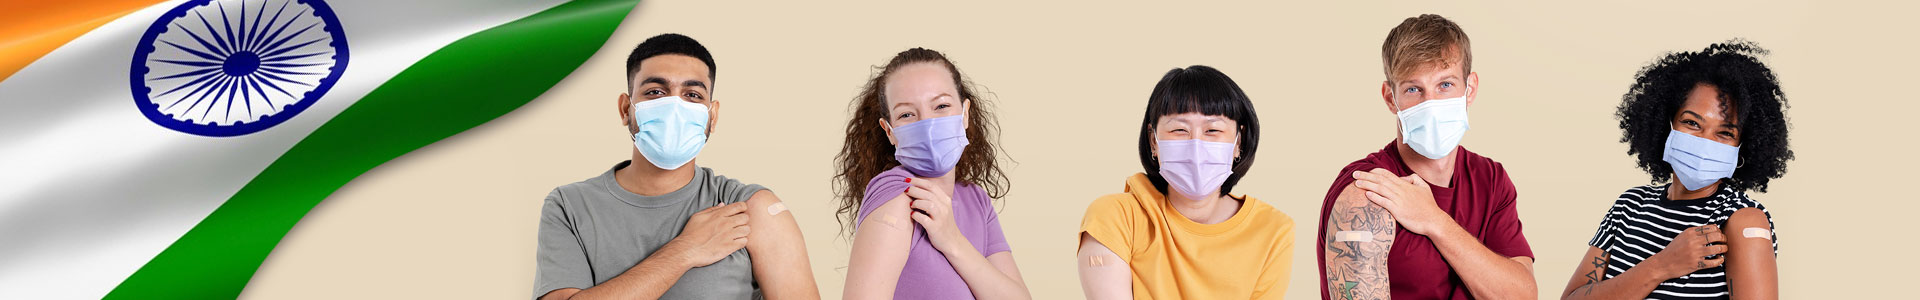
pixel 1197 140
pixel 1707 126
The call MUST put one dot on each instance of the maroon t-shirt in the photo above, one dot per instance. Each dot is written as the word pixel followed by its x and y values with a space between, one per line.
pixel 1480 198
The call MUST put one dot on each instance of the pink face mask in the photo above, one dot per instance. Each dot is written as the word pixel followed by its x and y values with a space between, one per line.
pixel 1195 168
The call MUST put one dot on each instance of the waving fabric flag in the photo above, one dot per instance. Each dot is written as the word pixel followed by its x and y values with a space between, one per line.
pixel 161 149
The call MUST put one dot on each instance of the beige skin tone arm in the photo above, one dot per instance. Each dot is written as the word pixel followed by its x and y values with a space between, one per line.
pixel 1103 274
pixel 880 246
pixel 1357 269
pixel 779 252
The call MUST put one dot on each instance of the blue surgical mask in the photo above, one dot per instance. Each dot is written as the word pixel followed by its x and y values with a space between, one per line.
pixel 930 147
pixel 1435 127
pixel 671 131
pixel 1698 162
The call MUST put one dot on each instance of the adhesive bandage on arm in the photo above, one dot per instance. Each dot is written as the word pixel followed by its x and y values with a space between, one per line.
pixel 1757 232
pixel 776 208
pixel 897 221
pixel 1353 236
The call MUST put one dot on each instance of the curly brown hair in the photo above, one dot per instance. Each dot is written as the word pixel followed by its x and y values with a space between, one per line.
pixel 867 152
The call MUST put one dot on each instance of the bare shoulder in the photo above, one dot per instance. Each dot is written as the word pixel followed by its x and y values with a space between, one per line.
pixel 763 199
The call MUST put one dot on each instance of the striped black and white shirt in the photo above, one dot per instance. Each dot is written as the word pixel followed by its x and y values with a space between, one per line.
pixel 1643 221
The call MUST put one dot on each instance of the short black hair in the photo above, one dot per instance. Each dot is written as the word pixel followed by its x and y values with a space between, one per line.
pixel 1748 91
pixel 669 43
pixel 1205 90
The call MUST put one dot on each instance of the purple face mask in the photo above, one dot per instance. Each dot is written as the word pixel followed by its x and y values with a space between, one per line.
pixel 1195 168
pixel 930 147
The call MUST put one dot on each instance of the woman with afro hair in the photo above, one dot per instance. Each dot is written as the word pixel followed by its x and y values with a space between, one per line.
pixel 1708 127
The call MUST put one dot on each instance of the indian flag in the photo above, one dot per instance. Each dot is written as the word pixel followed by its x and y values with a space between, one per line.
pixel 156 149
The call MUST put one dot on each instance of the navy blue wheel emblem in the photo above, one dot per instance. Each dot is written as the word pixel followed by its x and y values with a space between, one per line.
pixel 234 67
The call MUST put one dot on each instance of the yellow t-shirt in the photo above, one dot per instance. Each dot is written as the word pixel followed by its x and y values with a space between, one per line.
pixel 1172 257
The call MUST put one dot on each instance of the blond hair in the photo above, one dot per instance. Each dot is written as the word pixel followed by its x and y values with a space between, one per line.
pixel 1424 41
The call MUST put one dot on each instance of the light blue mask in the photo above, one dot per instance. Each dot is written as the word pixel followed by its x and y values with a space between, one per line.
pixel 671 131
pixel 1698 162
pixel 1435 127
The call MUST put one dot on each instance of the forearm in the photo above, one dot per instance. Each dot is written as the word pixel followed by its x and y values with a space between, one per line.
pixel 1487 274
pixel 1635 283
pixel 647 280
pixel 985 280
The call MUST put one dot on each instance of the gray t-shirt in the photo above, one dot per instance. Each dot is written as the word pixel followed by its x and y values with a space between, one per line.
pixel 593 230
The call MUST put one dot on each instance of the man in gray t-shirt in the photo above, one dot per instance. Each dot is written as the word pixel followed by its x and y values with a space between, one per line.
pixel 660 226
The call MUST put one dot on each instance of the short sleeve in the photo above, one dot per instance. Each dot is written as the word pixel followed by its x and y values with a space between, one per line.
pixel 995 238
pixel 1273 280
pixel 882 188
pixel 732 190
pixel 1603 234
pixel 561 260
pixel 1504 234
pixel 1110 220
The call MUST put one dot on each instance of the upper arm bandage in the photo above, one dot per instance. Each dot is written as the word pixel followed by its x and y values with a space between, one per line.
pixel 1757 232
pixel 1353 236
pixel 776 208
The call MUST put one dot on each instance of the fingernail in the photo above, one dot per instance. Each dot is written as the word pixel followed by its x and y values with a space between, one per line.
pixel 909 179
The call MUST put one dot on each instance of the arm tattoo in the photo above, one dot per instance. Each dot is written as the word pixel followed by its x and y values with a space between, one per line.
pixel 1597 274
pixel 1358 270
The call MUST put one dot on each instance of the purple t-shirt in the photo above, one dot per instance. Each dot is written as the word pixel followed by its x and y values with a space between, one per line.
pixel 927 274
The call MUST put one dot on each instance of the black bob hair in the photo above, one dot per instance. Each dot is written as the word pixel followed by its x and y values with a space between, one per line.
pixel 1207 91
pixel 669 43
pixel 1748 91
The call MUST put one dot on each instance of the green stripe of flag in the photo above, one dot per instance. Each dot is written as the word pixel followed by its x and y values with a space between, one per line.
pixel 467 83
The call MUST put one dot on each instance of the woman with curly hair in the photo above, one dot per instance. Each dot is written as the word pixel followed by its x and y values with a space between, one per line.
pixel 917 175
pixel 1707 127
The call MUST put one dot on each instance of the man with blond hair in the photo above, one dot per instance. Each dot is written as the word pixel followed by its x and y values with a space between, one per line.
pixel 1423 218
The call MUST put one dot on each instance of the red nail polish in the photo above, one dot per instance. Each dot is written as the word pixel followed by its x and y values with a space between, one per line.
pixel 909 179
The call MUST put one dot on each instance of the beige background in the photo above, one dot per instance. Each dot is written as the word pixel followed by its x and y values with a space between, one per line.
pixel 457 219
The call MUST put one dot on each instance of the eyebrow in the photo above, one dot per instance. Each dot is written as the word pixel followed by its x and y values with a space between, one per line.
pixel 663 81
pixel 935 97
pixel 1208 119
